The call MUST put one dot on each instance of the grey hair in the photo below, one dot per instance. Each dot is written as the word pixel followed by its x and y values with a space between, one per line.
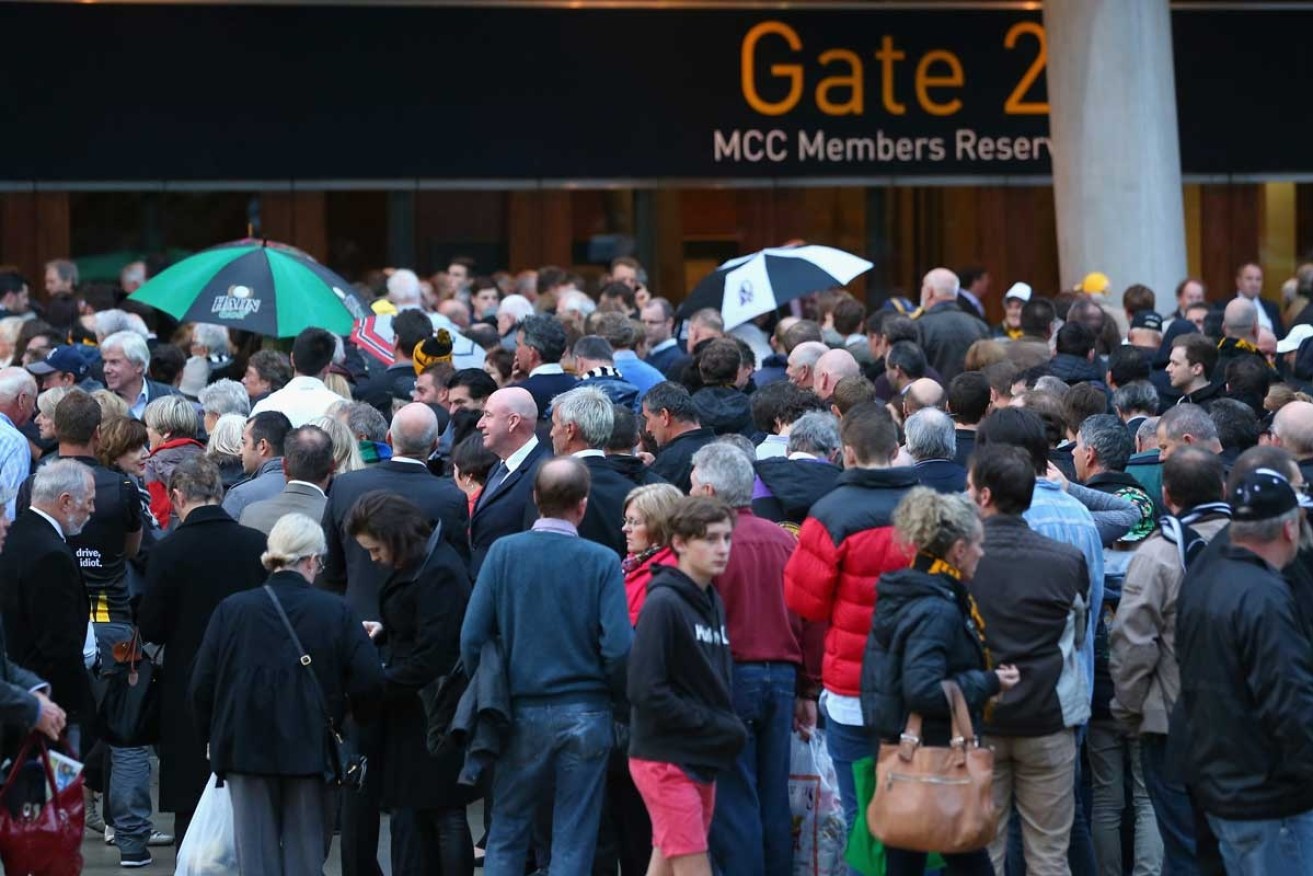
pixel 1182 420
pixel 516 305
pixel 1107 434
pixel 129 343
pixel 226 436
pixel 579 302
pixel 817 433
pixel 137 325
pixel 112 322
pixel 591 410
pixel 1138 395
pixel 293 538
pixel 412 442
pixel 1148 431
pixel 213 337
pixel 728 471
pixel 739 442
pixel 1053 385
pixel 172 415
pixel 930 435
pixel 1261 531
pixel 225 397
pixel 15 381
pixel 54 479
pixel 49 399
pixel 364 421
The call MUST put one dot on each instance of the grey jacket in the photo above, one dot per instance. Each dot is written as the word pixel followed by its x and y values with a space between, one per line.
pixel 297 497
pixel 1142 641
pixel 267 482
pixel 946 335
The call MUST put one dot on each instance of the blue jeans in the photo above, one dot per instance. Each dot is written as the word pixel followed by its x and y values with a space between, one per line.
pixel 1262 848
pixel 128 806
pixel 1171 806
pixel 564 746
pixel 751 830
pixel 847 745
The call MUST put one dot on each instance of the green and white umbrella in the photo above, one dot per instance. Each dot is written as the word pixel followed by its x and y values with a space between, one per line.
pixel 257 286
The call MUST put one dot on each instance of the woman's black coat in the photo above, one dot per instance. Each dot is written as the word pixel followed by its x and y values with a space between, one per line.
pixel 252 699
pixel 421 611
pixel 205 560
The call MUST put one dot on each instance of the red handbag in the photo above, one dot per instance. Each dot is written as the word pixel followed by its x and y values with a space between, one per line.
pixel 42 840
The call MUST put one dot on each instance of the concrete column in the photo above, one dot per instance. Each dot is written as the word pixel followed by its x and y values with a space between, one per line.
pixel 1116 153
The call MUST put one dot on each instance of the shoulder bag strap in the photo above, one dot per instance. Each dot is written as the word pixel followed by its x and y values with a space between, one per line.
pixel 303 656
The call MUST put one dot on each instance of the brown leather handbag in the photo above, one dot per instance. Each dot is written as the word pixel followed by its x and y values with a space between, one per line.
pixel 935 799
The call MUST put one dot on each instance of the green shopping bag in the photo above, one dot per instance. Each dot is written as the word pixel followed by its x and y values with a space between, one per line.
pixel 865 853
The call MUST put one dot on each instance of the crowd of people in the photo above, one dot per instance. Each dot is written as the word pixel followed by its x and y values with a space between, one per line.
pixel 600 569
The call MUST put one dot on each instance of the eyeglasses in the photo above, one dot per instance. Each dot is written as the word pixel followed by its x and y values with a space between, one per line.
pixel 319 561
pixel 632 523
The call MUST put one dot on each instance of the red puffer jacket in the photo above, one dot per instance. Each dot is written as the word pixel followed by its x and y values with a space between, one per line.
pixel 846 544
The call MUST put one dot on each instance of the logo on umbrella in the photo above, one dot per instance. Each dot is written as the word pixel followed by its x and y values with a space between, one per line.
pixel 745 292
pixel 237 303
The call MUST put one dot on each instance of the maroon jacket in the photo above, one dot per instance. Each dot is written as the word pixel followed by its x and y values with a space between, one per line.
pixel 761 628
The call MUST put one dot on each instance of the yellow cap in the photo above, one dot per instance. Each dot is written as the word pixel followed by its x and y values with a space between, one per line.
pixel 1094 284
pixel 383 307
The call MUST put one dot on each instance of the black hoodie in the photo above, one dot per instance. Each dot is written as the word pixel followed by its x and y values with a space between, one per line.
pixel 680 678
pixel 633 469
pixel 794 486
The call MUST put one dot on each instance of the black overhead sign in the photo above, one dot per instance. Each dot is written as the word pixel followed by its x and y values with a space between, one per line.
pixel 146 92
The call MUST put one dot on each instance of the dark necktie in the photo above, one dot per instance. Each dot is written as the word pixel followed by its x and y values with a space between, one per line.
pixel 495 478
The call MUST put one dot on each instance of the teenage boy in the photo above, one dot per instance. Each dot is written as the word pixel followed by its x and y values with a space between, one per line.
pixel 684 729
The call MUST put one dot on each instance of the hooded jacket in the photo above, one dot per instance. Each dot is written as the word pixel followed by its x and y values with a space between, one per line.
pixel 680 672
pixel 787 489
pixel 724 410
pixel 633 469
pixel 922 635
pixel 1073 369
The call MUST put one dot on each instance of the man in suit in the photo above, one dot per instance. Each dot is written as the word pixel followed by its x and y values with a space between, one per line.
pixel 582 422
pixel 663 348
pixel 507 425
pixel 202 562
pixel 539 345
pixel 308 465
pixel 349 570
pixel 946 331
pixel 125 358
pixel 42 597
pixel 24 696
pixel 1249 286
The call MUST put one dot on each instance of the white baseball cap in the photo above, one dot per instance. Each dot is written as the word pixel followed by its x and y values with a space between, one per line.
pixel 1298 335
pixel 1020 291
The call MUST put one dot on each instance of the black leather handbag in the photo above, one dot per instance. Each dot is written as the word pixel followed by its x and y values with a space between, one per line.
pixel 129 711
pixel 345 767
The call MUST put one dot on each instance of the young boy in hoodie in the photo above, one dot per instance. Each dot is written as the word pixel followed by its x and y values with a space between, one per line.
pixel 684 729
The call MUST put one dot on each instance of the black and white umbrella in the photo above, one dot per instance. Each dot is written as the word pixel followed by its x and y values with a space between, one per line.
pixel 750 285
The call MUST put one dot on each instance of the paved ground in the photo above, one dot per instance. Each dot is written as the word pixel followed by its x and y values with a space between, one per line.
pixel 102 859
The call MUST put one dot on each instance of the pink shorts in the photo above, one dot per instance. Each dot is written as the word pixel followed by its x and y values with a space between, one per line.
pixel 679 807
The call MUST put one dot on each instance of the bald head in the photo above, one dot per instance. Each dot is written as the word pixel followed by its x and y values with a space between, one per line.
pixel 414 431
pixel 1240 320
pixel 560 489
pixel 1292 427
pixel 833 366
pixel 508 420
pixel 1267 342
pixel 923 393
pixel 802 363
pixel 941 284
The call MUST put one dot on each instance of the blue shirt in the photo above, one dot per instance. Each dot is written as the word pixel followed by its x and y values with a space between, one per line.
pixel 15 463
pixel 1060 517
pixel 636 371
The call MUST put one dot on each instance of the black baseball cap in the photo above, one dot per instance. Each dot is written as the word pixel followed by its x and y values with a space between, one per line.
pixel 1264 495
pixel 1147 319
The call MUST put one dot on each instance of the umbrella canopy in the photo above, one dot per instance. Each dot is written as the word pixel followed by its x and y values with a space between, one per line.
pixel 375 336
pixel 257 286
pixel 748 286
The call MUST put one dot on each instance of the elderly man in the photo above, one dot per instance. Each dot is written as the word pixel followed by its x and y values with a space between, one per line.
pixel 582 421
pixel 946 330
pixel 919 395
pixel 671 418
pixel 1240 333
pixel 788 485
pixel 1185 426
pixel 507 425
pixel 932 444
pixel 1292 428
pixel 802 363
pixel 17 401
pixel 831 367
pixel 125 357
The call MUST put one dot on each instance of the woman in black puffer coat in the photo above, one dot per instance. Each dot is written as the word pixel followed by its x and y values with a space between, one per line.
pixel 926 630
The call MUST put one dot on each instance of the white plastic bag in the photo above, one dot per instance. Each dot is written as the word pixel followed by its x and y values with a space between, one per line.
pixel 819 831
pixel 209 848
